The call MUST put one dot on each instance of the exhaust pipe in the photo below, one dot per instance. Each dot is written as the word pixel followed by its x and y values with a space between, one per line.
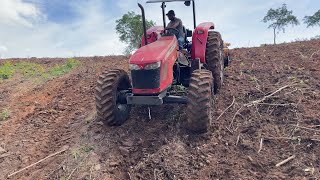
pixel 144 24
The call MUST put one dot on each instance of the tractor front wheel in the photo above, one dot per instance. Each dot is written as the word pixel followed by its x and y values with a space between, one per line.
pixel 111 105
pixel 214 58
pixel 201 102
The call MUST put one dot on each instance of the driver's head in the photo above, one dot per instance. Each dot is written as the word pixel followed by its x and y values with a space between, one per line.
pixel 171 15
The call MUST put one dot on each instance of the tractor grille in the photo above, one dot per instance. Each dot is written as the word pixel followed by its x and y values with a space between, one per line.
pixel 146 79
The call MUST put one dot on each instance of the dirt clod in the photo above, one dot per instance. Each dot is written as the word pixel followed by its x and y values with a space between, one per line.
pixel 2 151
pixel 288 122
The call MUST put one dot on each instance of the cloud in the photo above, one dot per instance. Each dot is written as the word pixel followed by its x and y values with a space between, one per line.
pixel 17 12
pixel 3 49
pixel 239 22
pixel 29 29
pixel 92 33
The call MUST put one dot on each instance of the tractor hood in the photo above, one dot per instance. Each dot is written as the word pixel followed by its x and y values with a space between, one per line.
pixel 156 51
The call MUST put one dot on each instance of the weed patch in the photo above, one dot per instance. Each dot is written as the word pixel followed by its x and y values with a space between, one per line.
pixel 6 70
pixel 29 69
pixel 4 115
pixel 87 149
pixel 62 69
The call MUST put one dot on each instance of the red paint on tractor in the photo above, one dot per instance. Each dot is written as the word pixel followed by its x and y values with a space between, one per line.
pixel 153 34
pixel 163 50
pixel 199 41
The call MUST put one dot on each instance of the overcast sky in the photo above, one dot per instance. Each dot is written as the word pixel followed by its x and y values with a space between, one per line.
pixel 65 28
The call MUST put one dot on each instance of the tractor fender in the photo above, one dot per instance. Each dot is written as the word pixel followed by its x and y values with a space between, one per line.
pixel 153 34
pixel 199 41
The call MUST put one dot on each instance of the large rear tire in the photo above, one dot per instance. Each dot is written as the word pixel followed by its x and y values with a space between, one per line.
pixel 111 109
pixel 201 102
pixel 214 58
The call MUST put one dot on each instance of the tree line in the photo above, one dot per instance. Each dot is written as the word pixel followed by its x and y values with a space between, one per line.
pixel 281 18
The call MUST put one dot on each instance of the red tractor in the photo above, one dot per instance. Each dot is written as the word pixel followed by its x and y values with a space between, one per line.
pixel 158 66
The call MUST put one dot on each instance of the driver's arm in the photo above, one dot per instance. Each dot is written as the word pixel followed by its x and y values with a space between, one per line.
pixel 169 25
pixel 176 24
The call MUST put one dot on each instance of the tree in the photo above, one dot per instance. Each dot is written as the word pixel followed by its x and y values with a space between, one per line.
pixel 130 30
pixel 280 19
pixel 313 20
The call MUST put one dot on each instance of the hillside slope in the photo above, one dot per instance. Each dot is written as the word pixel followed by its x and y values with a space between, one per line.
pixel 268 110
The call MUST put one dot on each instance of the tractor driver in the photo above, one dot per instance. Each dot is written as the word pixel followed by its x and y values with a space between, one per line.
pixel 176 23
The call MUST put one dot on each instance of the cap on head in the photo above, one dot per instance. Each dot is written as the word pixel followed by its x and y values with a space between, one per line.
pixel 171 12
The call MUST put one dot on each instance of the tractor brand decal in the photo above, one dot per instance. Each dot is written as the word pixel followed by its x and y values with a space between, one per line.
pixel 164 71
pixel 169 52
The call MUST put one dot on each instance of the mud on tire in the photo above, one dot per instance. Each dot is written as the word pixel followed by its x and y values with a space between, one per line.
pixel 200 106
pixel 110 110
pixel 214 58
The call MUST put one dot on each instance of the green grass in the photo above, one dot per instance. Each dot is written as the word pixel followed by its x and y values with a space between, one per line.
pixel 30 69
pixel 87 149
pixel 90 118
pixel 75 153
pixel 253 78
pixel 4 115
pixel 6 70
pixel 64 68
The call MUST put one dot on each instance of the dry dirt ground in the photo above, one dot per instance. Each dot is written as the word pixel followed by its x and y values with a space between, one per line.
pixel 273 95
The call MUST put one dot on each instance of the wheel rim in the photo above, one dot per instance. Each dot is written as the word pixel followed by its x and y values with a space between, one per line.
pixel 122 110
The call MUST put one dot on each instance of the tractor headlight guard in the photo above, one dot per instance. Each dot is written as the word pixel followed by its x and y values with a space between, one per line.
pixel 152 66
pixel 134 67
pixel 146 67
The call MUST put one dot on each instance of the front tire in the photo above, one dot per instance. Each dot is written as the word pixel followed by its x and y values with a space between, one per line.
pixel 111 109
pixel 214 58
pixel 200 96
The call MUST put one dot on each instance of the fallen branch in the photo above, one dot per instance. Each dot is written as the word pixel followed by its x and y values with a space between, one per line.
pixel 293 138
pixel 318 140
pixel 51 155
pixel 291 104
pixel 316 52
pixel 252 103
pixel 303 56
pixel 261 144
pixel 234 99
pixel 301 127
pixel 285 161
pixel 69 177
pixel 238 139
pixel 235 116
pixel 265 97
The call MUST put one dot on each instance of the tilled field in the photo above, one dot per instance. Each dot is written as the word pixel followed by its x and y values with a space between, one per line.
pixel 268 111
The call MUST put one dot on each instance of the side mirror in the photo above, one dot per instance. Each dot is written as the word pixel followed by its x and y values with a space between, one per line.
pixel 189 33
pixel 187 3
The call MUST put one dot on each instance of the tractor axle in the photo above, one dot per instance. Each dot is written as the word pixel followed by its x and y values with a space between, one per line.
pixel 160 99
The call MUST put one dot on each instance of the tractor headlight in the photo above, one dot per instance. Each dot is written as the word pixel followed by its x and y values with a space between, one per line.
pixel 152 66
pixel 134 67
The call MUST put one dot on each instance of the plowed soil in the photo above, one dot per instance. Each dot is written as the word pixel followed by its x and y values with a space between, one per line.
pixel 267 111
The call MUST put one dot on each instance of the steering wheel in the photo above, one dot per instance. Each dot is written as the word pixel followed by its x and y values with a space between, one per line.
pixel 168 30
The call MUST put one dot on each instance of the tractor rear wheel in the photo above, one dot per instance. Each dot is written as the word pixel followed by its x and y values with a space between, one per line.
pixel 111 105
pixel 214 58
pixel 201 102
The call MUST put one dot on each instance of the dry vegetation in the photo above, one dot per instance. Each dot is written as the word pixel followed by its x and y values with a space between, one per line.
pixel 267 123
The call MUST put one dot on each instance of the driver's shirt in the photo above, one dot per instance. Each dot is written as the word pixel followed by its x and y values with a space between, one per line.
pixel 179 28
